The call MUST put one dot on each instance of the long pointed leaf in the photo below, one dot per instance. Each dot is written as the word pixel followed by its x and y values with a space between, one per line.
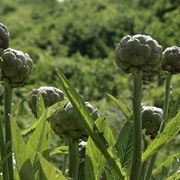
pixel 124 109
pixel 23 162
pixel 95 161
pixel 49 171
pixel 40 139
pixel 40 105
pixel 50 110
pixel 89 125
pixel 167 164
pixel 170 131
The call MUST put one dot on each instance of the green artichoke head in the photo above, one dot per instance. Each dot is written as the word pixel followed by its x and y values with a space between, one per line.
pixel 138 53
pixel 50 95
pixel 151 120
pixel 66 122
pixel 171 60
pixel 16 66
pixel 4 37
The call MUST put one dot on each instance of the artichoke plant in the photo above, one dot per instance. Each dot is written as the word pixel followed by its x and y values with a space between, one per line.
pixel 16 66
pixel 51 95
pixel 138 53
pixel 151 120
pixel 4 37
pixel 67 124
pixel 171 60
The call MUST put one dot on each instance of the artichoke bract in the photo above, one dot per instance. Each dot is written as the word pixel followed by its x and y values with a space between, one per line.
pixel 66 122
pixel 4 37
pixel 50 95
pixel 138 53
pixel 151 120
pixel 171 60
pixel 16 66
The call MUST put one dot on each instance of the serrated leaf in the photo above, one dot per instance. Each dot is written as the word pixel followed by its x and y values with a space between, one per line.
pixel 89 125
pixel 23 162
pixel 124 109
pixel 167 164
pixel 170 131
pixel 59 150
pixel 49 171
pixel 124 145
pixel 95 161
pixel 40 139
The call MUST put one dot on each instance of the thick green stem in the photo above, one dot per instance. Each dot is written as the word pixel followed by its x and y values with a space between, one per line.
pixel 8 104
pixel 165 113
pixel 73 159
pixel 5 171
pixel 166 100
pixel 136 101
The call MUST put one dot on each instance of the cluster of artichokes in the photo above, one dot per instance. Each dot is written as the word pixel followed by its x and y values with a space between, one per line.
pixel 141 53
pixel 65 123
pixel 16 66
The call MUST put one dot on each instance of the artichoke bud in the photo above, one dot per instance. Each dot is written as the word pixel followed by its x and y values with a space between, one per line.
pixel 137 52
pixel 151 120
pixel 4 37
pixel 16 67
pixel 171 60
pixel 50 95
pixel 67 124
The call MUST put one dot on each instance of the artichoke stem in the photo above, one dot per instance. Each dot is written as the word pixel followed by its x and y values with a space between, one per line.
pixel 166 100
pixel 73 159
pixel 8 104
pixel 165 113
pixel 5 171
pixel 136 101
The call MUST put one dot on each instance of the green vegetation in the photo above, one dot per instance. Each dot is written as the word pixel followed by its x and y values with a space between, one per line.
pixel 80 37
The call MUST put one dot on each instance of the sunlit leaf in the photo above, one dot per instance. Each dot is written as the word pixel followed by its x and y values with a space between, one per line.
pixel 40 105
pixel 175 176
pixel 40 139
pixel 95 161
pixel 171 130
pixel 88 123
pixel 167 164
pixel 59 150
pixel 49 171
pixel 23 162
